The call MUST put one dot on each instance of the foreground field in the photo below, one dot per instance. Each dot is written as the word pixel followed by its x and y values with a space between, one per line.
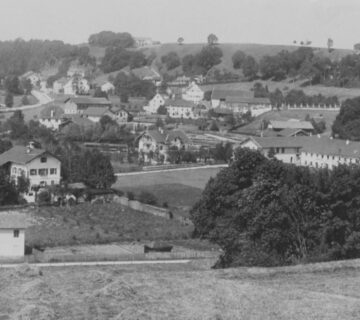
pixel 177 292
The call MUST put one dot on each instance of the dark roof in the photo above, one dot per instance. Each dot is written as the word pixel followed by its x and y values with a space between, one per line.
pixel 79 120
pixel 57 112
pixel 275 142
pixel 157 135
pixel 12 220
pixel 178 134
pixel 179 103
pixel 284 133
pixel 222 111
pixel 249 100
pixel 277 124
pixel 96 111
pixel 218 94
pixel 90 100
pixel 166 136
pixel 20 155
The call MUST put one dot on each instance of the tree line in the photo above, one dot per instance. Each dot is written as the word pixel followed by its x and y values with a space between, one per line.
pixel 266 213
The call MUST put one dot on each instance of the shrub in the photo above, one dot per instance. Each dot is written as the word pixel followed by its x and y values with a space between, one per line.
pixel 148 198
pixel 130 195
pixel 44 197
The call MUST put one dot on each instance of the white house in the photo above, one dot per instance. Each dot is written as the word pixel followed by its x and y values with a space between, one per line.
pixel 12 236
pixel 193 93
pixel 38 165
pixel 34 77
pixel 154 104
pixel 52 117
pixel 58 85
pixel 182 109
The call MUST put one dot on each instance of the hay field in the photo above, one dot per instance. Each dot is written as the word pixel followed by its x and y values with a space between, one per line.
pixel 179 292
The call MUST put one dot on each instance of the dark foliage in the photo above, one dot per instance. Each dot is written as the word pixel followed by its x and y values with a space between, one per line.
pixel 112 39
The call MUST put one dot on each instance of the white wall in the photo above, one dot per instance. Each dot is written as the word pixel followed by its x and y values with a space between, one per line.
pixel 322 161
pixel 11 247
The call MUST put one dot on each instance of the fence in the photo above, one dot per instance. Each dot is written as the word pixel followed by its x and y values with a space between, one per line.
pixel 318 107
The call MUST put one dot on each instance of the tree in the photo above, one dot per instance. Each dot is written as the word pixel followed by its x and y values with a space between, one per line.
pixel 212 39
pixel 180 41
pixel 162 110
pixel 330 44
pixel 26 86
pixel 25 100
pixel 171 60
pixel 214 126
pixel 250 67
pixel 137 60
pixel 9 100
pixel 98 93
pixel 208 57
pixel 159 123
pixel 5 145
pixel 238 59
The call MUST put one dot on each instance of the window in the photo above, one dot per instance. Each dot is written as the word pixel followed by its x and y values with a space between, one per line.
pixel 43 172
pixel 53 171
pixel 43 159
pixel 33 172
pixel 282 150
pixel 277 150
pixel 14 170
pixel 16 233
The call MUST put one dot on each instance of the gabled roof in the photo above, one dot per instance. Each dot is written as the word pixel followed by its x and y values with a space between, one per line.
pixel 180 103
pixel 285 133
pixel 46 113
pixel 277 124
pixel 218 94
pixel 178 134
pixel 20 155
pixel 145 73
pixel 12 220
pixel 89 101
pixel 275 142
pixel 167 136
pixel 96 111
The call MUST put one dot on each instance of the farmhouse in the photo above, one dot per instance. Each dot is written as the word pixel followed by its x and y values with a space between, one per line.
pixel 193 93
pixel 38 165
pixel 78 105
pixel 12 236
pixel 182 109
pixel 154 104
pixel 310 151
pixel 153 145
pixel 52 117
pixel 94 114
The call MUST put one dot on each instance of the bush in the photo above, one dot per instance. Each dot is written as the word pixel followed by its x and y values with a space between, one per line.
pixel 147 198
pixel 44 197
pixel 130 195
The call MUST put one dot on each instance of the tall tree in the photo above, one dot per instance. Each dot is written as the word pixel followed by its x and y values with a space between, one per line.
pixel 212 39
pixel 180 41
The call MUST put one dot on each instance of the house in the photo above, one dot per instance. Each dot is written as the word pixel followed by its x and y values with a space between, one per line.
pixel 12 236
pixel 284 133
pixel 76 71
pixel 240 102
pixel 154 104
pixel 182 109
pixel 52 117
pixel 142 42
pixel 58 85
pixel 153 145
pixel 180 81
pixel 193 93
pixel 34 77
pixel 278 125
pixel 120 114
pixel 284 149
pixel 77 105
pixel 146 73
pixel 94 114
pixel 38 165
pixel 71 86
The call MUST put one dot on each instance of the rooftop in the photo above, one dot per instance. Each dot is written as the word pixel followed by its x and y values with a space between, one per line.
pixel 291 124
pixel 250 100
pixel 12 220
pixel 166 136
pixel 218 94
pixel 180 103
pixel 89 101
pixel 20 155
pixel 95 111
pixel 52 112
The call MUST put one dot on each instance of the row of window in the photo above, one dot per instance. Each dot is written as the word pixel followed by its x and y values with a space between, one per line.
pixel 349 160
pixel 43 172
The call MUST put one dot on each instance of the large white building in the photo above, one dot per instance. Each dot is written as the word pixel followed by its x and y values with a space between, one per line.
pixel 193 93
pixel 182 109
pixel 12 236
pixel 310 151
pixel 38 165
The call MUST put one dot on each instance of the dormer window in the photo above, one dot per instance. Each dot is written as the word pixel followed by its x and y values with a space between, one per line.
pixel 43 159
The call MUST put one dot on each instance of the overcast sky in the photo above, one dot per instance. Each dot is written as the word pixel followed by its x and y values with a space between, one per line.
pixel 244 21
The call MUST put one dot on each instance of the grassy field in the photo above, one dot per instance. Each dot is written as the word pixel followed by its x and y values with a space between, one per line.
pixel 97 223
pixel 180 189
pixel 179 292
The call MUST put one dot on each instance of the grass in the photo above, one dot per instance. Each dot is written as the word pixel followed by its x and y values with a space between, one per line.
pixel 180 292
pixel 99 223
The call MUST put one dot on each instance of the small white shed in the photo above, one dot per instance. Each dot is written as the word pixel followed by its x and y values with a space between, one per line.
pixel 12 236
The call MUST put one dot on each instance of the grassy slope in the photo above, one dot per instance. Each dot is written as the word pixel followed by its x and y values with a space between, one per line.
pixel 178 292
pixel 86 223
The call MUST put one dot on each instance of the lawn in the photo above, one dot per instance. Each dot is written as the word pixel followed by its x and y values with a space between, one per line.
pixel 180 292
pixel 179 189
pixel 98 223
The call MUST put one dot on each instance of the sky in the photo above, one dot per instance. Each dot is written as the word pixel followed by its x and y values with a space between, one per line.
pixel 236 21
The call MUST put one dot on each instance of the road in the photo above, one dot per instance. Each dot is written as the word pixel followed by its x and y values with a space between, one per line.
pixel 42 97
pixel 122 174
pixel 95 263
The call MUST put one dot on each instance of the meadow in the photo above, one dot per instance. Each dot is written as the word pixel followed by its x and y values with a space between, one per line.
pixel 181 292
